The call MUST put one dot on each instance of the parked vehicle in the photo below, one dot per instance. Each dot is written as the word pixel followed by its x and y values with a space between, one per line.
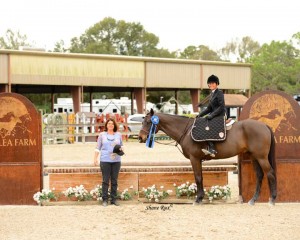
pixel 135 123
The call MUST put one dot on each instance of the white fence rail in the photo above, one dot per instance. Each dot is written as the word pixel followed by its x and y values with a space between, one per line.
pixel 82 127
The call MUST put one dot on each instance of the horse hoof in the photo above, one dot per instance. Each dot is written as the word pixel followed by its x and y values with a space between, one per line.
pixel 197 203
pixel 271 203
pixel 251 202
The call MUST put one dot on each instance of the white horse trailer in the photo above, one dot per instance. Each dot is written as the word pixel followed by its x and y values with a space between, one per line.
pixel 101 106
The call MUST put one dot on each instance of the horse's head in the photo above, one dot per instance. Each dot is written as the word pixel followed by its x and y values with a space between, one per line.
pixel 146 126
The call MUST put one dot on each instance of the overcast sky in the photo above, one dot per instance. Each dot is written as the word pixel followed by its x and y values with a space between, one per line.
pixel 177 23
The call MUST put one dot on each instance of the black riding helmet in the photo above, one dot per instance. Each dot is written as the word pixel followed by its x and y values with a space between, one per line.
pixel 118 150
pixel 213 79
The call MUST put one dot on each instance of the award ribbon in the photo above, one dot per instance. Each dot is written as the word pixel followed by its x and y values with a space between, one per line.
pixel 151 136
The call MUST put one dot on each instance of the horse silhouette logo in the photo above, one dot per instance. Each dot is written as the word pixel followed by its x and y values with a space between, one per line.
pixel 13 117
pixel 275 111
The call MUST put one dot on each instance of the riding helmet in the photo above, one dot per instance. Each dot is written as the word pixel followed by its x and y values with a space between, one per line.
pixel 213 79
pixel 118 150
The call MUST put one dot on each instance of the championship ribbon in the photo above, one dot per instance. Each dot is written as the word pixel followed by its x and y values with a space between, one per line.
pixel 151 136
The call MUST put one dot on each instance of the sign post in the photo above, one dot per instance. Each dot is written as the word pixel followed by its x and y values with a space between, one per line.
pixel 20 150
pixel 282 113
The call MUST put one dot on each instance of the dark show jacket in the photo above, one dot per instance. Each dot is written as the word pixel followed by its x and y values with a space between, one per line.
pixel 216 105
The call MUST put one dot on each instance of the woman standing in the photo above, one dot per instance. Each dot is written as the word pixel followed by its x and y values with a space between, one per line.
pixel 110 159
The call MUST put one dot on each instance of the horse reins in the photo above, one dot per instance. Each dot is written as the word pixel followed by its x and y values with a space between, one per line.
pixel 147 132
pixel 177 142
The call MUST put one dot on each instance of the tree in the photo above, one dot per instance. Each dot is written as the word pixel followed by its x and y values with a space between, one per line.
pixel 240 51
pixel 13 40
pixel 119 38
pixel 276 66
pixel 60 47
pixel 296 39
pixel 199 53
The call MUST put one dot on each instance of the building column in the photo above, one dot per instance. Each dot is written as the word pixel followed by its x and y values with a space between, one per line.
pixel 52 102
pixel 248 93
pixel 176 102
pixel 76 92
pixel 132 102
pixel 140 99
pixel 195 99
pixel 91 101
pixel 4 88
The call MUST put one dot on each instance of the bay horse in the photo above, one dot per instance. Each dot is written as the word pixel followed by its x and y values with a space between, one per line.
pixel 246 136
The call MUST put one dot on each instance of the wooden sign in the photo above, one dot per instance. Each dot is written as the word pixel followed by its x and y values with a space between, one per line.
pixel 20 150
pixel 282 113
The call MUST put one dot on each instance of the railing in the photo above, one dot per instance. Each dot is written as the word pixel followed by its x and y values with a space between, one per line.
pixel 70 133
pixel 71 128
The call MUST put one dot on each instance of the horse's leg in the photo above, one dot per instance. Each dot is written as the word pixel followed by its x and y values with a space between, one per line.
pixel 267 168
pixel 272 186
pixel 259 177
pixel 272 171
pixel 197 168
pixel 261 166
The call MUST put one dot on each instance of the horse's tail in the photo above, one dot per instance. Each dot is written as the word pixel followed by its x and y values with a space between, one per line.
pixel 271 155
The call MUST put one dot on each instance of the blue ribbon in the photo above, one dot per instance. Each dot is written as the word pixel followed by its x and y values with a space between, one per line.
pixel 151 136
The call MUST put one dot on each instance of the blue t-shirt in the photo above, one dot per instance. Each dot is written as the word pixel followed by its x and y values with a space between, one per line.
pixel 106 143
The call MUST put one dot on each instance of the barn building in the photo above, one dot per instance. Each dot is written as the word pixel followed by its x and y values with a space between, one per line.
pixel 45 72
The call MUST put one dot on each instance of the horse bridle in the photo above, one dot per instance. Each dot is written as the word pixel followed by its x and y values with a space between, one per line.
pixel 147 132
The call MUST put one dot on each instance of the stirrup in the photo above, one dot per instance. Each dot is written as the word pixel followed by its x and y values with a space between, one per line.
pixel 213 153
pixel 206 152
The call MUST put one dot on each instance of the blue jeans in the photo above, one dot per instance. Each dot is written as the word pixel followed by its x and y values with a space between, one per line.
pixel 110 171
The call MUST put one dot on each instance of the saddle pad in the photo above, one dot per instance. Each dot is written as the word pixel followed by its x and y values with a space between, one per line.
pixel 209 130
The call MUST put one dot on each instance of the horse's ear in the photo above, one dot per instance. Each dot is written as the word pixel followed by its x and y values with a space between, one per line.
pixel 151 112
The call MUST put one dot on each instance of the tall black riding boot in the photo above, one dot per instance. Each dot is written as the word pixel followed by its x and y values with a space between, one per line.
pixel 211 149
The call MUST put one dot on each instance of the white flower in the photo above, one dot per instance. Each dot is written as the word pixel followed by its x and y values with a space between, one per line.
pixel 44 195
pixel 151 193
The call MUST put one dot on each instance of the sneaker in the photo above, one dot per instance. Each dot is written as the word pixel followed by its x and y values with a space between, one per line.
pixel 104 204
pixel 115 203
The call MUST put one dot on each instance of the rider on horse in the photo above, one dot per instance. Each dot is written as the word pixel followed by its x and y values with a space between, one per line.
pixel 216 107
